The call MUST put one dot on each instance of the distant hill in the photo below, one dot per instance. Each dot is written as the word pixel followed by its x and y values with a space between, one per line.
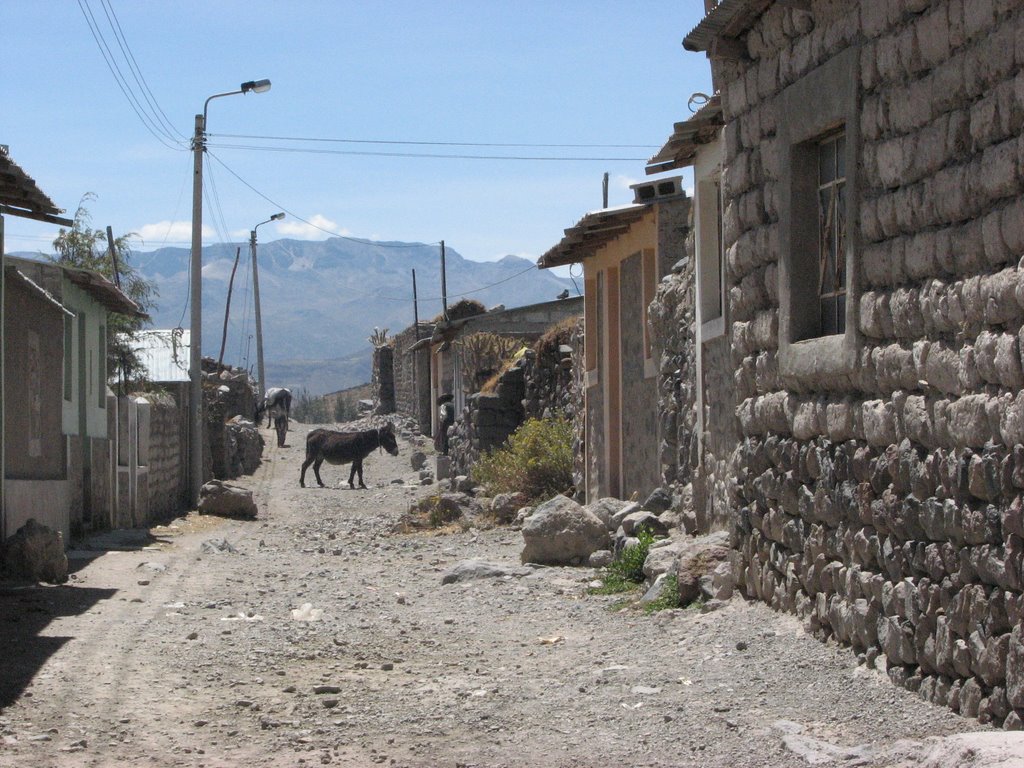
pixel 320 300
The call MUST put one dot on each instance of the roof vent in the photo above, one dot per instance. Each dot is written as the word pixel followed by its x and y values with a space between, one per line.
pixel 652 191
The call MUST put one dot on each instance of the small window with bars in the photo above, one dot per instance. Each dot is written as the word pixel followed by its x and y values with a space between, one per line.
pixel 832 234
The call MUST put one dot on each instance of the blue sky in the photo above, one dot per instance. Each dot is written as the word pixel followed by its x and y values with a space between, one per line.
pixel 595 72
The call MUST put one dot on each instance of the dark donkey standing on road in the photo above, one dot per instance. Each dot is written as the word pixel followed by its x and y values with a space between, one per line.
pixel 342 447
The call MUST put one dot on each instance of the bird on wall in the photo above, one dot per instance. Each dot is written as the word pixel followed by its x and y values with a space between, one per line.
pixel 563 295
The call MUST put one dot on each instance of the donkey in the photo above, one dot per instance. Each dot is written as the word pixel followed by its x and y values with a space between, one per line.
pixel 276 402
pixel 343 447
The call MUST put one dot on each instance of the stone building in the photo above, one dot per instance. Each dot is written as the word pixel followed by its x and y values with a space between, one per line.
pixel 873 227
pixel 624 251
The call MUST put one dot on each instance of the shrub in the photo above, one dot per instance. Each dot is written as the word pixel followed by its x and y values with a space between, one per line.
pixel 629 565
pixel 536 460
pixel 669 597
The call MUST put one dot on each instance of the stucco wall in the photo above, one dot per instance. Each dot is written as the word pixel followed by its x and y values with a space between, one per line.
pixel 881 500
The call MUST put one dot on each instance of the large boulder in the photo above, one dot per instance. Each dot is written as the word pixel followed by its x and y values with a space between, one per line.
pixel 36 552
pixel 219 498
pixel 561 532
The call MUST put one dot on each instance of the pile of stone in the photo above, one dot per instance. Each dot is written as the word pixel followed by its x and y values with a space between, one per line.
pixel 234 444
pixel 35 552
pixel 562 532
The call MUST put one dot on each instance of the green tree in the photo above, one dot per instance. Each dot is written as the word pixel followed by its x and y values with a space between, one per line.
pixel 85 247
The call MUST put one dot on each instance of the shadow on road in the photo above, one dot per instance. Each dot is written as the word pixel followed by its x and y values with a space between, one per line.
pixel 25 612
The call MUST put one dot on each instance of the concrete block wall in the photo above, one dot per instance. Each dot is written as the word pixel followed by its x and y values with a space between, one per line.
pixel 884 504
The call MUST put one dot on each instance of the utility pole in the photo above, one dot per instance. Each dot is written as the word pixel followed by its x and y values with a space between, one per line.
pixel 444 285
pixel 416 326
pixel 604 190
pixel 113 256
pixel 195 401
pixel 227 308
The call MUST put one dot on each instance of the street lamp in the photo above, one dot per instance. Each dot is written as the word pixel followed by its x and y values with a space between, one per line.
pixel 195 405
pixel 256 293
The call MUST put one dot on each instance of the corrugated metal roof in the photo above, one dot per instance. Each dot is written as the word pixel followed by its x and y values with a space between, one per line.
pixel 728 20
pixel 20 196
pixel 591 232
pixel 164 352
pixel 681 148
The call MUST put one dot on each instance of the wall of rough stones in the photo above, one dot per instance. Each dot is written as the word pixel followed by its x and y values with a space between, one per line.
pixel 383 380
pixel 546 382
pixel 167 462
pixel 487 420
pixel 672 316
pixel 411 376
pixel 884 506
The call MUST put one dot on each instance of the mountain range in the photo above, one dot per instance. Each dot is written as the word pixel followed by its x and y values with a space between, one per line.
pixel 321 300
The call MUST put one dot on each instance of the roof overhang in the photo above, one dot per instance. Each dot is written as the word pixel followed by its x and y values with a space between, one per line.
pixel 16 274
pixel 20 196
pixel 687 137
pixel 718 34
pixel 590 233
pixel 104 291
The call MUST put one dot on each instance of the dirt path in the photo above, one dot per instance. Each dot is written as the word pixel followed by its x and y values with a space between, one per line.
pixel 170 655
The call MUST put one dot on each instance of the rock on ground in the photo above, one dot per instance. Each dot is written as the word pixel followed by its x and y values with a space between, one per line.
pixel 561 532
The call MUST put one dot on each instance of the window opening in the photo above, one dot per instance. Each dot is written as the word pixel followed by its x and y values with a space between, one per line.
pixel 832 234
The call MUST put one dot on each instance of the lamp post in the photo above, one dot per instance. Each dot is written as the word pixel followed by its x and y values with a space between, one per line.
pixel 256 294
pixel 195 405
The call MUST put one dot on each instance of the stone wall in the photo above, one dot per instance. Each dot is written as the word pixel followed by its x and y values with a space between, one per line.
pixel 167 459
pixel 383 380
pixel 487 420
pixel 545 383
pixel 411 376
pixel 882 501
pixel 672 317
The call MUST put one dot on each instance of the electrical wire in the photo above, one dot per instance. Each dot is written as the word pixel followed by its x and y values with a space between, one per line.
pixel 463 293
pixel 140 80
pixel 573 278
pixel 368 153
pixel 295 216
pixel 434 143
pixel 151 125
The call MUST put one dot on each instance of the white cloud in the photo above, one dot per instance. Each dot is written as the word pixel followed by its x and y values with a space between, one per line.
pixel 314 230
pixel 162 232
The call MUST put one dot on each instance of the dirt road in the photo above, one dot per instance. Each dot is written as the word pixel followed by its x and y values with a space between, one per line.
pixel 325 638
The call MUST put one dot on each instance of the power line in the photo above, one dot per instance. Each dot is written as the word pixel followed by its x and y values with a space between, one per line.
pixel 464 293
pixel 133 65
pixel 370 153
pixel 435 143
pixel 151 125
pixel 295 216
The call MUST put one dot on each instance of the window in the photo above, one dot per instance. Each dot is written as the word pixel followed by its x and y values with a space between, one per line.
pixel 832 234
pixel 818 197
pixel 710 263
